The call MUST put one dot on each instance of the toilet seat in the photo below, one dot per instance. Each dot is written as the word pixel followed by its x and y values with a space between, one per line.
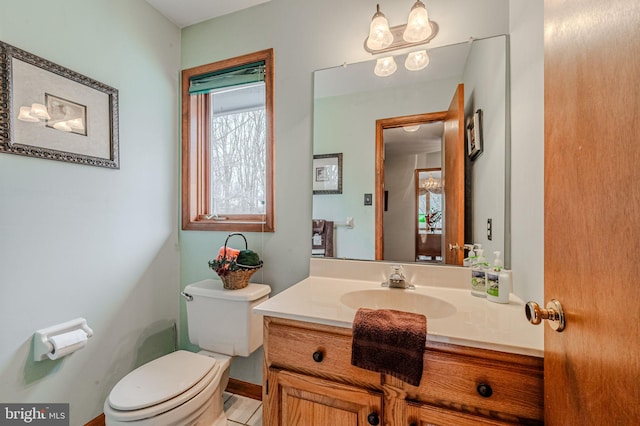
pixel 162 385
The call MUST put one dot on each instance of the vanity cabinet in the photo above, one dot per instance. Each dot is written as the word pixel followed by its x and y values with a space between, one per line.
pixel 309 380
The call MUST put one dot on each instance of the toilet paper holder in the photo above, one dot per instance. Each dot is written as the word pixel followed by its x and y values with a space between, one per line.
pixel 42 346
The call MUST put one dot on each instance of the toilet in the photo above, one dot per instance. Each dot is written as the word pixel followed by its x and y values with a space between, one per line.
pixel 185 388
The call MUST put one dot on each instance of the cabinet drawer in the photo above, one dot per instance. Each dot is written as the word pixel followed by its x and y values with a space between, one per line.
pixel 495 389
pixel 425 415
pixel 315 353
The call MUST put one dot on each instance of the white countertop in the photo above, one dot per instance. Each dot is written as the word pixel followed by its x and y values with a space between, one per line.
pixel 476 322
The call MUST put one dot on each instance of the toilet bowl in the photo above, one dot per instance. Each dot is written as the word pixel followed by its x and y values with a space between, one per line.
pixel 185 388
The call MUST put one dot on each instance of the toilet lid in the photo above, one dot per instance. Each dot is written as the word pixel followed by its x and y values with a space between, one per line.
pixel 161 380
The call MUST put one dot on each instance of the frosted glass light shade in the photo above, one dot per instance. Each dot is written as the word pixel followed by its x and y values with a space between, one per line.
pixel 385 66
pixel 417 60
pixel 25 115
pixel 418 26
pixel 411 129
pixel 40 111
pixel 380 36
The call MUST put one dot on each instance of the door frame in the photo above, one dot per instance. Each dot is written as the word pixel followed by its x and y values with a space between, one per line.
pixel 381 125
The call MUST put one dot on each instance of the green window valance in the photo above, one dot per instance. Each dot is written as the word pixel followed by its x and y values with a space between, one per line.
pixel 243 74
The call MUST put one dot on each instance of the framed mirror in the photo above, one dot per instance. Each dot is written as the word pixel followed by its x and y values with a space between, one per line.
pixel 350 99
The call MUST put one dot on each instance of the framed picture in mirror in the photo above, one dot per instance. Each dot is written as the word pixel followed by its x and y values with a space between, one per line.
pixel 474 135
pixel 327 174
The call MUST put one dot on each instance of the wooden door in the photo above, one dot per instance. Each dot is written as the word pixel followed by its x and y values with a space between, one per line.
pixel 453 173
pixel 309 401
pixel 592 211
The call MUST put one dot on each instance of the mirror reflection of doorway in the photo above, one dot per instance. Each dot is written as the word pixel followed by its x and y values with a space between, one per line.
pixel 429 215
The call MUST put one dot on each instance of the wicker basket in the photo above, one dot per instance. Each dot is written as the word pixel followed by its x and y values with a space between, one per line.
pixel 238 278
pixel 235 280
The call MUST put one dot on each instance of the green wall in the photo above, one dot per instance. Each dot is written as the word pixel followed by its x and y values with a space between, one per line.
pixel 83 241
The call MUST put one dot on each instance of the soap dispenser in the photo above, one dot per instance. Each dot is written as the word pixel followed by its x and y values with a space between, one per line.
pixel 479 275
pixel 471 256
pixel 498 281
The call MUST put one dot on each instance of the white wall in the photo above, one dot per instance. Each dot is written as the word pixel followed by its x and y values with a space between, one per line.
pixel 87 241
pixel 485 85
pixel 527 148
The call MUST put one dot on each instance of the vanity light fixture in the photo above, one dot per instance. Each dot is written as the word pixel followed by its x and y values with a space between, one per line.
pixel 417 61
pixel 411 129
pixel 385 66
pixel 419 30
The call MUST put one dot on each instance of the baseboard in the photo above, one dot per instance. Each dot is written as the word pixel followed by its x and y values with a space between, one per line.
pixel 250 390
pixel 98 421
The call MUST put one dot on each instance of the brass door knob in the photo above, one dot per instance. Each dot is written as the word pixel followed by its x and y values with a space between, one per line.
pixel 553 314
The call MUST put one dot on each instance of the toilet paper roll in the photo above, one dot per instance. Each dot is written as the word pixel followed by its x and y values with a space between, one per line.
pixel 66 343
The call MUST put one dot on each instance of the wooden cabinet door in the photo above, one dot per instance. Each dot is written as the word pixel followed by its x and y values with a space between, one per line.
pixel 308 401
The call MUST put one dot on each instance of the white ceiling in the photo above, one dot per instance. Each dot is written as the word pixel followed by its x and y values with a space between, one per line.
pixel 188 12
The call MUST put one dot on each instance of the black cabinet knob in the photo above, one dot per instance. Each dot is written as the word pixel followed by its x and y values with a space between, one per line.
pixel 317 356
pixel 484 390
pixel 373 419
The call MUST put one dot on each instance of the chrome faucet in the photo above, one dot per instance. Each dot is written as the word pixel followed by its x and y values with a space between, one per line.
pixel 397 279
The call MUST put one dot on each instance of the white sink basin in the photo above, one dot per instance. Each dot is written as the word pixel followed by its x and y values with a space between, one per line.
pixel 400 300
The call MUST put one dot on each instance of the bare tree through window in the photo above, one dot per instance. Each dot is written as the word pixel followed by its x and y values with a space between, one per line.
pixel 238 163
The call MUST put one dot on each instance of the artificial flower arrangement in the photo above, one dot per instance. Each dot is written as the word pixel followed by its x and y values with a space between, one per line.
pixel 433 217
pixel 235 267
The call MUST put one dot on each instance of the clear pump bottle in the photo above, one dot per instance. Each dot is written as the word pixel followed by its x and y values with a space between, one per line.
pixel 479 275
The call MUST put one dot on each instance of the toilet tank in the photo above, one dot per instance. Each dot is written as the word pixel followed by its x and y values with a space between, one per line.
pixel 222 320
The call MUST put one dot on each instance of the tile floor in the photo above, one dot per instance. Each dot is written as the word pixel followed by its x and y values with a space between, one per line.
pixel 241 410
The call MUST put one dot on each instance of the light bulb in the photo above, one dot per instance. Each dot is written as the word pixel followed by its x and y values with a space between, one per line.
pixel 418 25
pixel 380 36
pixel 385 66
pixel 417 60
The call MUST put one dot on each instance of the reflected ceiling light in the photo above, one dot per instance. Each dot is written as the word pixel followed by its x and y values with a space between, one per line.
pixel 380 36
pixel 76 124
pixel 40 111
pixel 417 61
pixel 25 115
pixel 432 185
pixel 411 129
pixel 418 26
pixel 385 66
pixel 62 125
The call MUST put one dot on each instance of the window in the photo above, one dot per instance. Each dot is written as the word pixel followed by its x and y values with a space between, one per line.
pixel 227 145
